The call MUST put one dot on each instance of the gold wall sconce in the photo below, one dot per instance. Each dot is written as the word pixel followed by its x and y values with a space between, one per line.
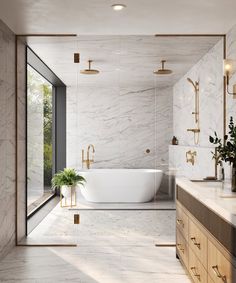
pixel 190 156
pixel 229 69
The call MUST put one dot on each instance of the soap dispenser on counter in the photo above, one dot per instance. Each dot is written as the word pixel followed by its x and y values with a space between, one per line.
pixel 221 172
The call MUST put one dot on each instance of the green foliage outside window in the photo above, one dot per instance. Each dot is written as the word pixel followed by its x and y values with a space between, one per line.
pixel 38 88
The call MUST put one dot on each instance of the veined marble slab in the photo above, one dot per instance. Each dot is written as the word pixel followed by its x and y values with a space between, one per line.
pixel 104 264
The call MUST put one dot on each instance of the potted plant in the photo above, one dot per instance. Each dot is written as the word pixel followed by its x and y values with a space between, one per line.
pixel 226 150
pixel 67 180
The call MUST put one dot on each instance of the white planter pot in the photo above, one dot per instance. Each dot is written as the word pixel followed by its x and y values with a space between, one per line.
pixel 67 190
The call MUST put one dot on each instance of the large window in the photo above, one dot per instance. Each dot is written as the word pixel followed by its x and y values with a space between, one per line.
pixel 39 139
pixel 46 136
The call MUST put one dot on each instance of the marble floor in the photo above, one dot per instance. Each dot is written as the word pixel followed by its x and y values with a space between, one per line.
pixel 122 225
pixel 113 246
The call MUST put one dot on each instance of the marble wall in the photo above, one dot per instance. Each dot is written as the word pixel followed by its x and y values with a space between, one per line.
pixel 124 110
pixel 209 72
pixel 231 54
pixel 7 139
pixel 122 124
pixel 8 146
pixel 21 139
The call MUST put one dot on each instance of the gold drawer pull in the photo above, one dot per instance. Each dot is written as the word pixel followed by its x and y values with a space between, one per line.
pixel 193 239
pixel 194 271
pixel 180 222
pixel 217 273
pixel 180 248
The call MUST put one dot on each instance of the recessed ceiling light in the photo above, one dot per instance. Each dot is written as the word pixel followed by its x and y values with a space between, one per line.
pixel 118 7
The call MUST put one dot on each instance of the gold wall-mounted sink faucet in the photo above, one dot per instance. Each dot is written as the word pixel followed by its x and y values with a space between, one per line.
pixel 89 160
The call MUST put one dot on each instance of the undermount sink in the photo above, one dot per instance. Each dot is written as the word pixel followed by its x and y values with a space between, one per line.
pixel 205 181
pixel 229 196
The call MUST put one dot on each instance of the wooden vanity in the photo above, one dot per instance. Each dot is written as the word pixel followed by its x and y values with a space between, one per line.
pixel 205 233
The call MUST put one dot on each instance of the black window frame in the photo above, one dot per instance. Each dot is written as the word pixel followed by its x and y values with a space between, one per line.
pixel 59 119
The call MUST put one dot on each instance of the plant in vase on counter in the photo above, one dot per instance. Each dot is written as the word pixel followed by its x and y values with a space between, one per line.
pixel 226 150
pixel 67 180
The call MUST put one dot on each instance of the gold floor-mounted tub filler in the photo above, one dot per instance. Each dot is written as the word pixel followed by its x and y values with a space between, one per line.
pixel 88 161
pixel 196 130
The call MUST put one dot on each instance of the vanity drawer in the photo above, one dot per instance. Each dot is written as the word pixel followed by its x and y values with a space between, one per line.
pixel 219 268
pixel 196 269
pixel 182 221
pixel 182 248
pixel 198 242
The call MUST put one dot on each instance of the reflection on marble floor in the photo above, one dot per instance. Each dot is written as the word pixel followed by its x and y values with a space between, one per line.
pixel 156 204
pixel 99 227
pixel 114 246
pixel 95 264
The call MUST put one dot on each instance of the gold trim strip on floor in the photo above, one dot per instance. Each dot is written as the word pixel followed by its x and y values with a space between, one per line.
pixel 47 245
pixel 47 35
pixel 165 245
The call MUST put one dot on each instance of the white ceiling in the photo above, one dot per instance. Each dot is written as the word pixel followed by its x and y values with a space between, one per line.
pixel 140 17
pixel 122 60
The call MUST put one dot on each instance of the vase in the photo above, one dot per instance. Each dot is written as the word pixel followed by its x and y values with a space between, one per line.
pixel 66 191
pixel 69 194
pixel 233 180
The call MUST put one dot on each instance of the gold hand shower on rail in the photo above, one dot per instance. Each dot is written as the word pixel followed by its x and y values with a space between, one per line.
pixel 196 130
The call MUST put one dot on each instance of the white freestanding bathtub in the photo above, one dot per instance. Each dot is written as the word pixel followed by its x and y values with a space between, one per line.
pixel 121 185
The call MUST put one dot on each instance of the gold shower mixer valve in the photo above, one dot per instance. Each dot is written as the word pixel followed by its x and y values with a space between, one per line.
pixel 196 130
pixel 190 156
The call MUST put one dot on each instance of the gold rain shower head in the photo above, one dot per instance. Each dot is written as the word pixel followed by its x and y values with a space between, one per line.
pixel 89 71
pixel 163 71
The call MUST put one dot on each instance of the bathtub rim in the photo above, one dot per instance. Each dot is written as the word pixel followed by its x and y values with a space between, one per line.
pixel 141 170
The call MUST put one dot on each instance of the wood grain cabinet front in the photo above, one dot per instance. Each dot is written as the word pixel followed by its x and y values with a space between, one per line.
pixel 196 269
pixel 210 280
pixel 182 221
pixel 219 268
pixel 198 242
pixel 182 248
pixel 206 259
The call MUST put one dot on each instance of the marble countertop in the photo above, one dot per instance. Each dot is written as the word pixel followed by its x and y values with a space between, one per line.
pixel 217 196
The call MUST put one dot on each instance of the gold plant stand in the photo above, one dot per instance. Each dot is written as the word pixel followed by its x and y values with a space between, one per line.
pixel 72 199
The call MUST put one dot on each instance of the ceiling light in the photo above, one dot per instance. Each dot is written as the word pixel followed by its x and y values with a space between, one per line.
pixel 118 7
